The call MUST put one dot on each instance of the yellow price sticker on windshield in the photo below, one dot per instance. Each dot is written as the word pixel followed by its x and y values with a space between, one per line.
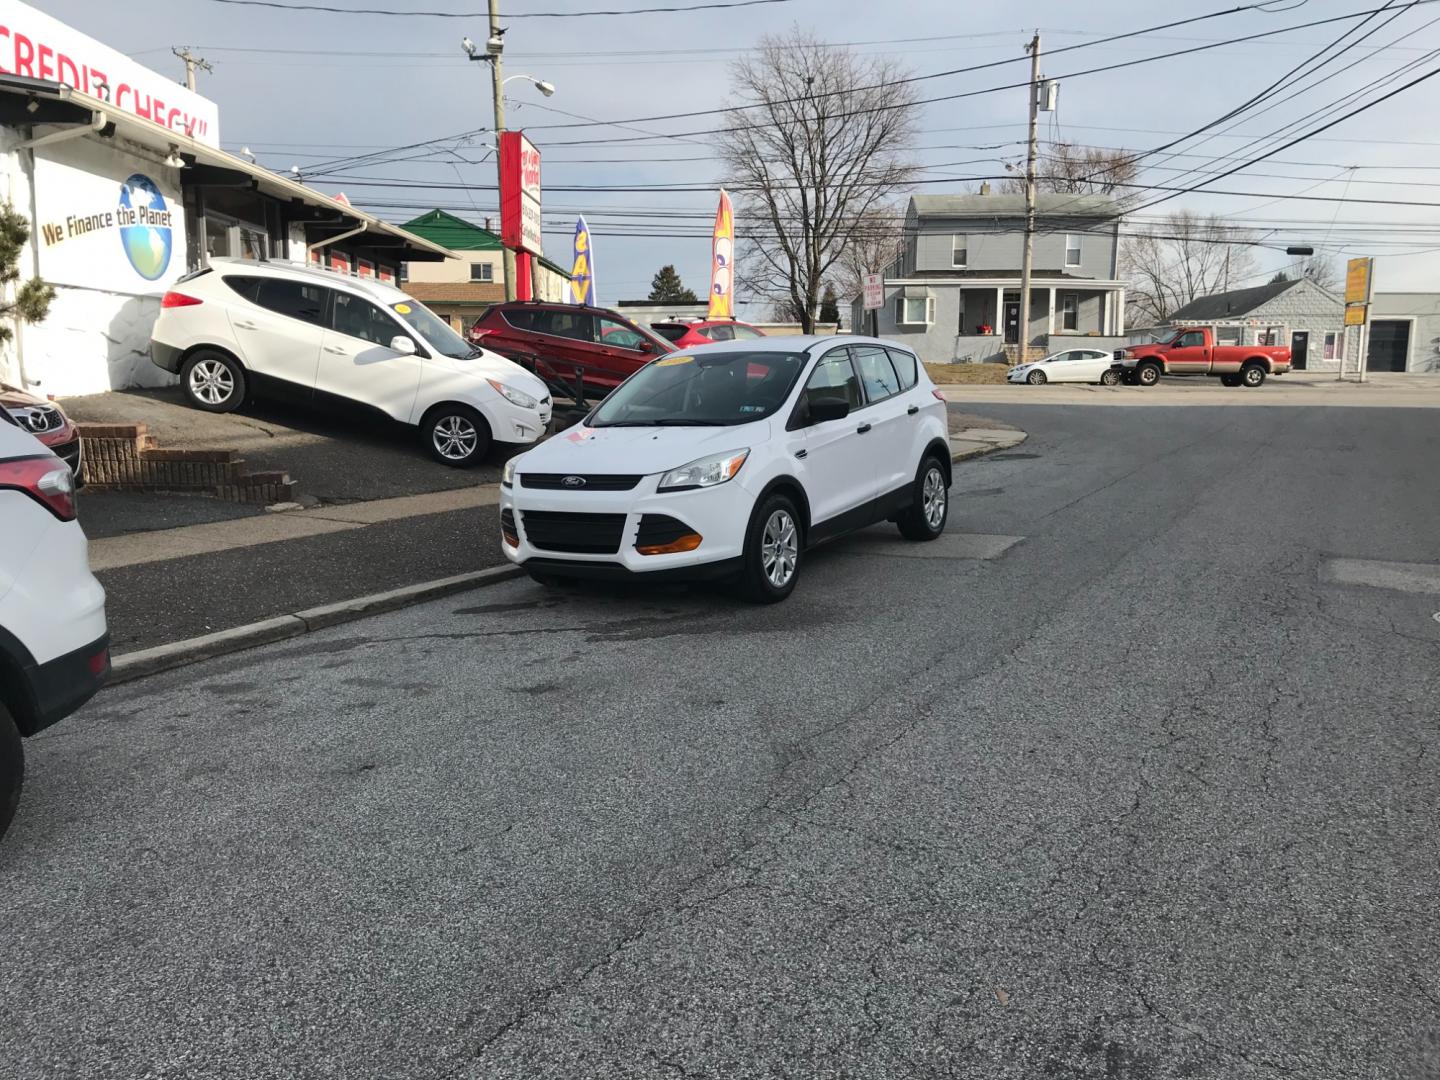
pixel 675 361
pixel 402 309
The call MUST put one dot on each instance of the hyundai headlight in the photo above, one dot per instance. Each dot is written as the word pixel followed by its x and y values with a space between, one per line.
pixel 515 397
pixel 705 472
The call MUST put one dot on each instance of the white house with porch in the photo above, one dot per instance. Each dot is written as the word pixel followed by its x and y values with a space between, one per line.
pixel 953 295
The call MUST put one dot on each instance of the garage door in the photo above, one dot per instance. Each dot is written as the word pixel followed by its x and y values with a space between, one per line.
pixel 1389 344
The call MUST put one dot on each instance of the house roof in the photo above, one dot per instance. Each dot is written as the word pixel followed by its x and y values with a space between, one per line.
pixel 1232 304
pixel 455 292
pixel 452 232
pixel 1047 203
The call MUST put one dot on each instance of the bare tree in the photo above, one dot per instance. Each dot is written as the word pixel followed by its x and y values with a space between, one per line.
pixel 1179 260
pixel 1072 169
pixel 823 149
pixel 874 245
pixel 1323 271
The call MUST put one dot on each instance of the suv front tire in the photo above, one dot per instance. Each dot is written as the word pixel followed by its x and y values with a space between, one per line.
pixel 456 435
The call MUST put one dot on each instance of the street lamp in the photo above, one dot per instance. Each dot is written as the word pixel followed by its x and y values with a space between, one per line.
pixel 494 47
pixel 548 89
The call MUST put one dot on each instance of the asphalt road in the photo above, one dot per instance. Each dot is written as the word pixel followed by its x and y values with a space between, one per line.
pixel 1144 796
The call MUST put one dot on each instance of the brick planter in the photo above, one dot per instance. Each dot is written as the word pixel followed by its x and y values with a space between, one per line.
pixel 124 457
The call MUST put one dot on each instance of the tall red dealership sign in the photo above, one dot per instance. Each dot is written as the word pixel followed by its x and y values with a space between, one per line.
pixel 520 205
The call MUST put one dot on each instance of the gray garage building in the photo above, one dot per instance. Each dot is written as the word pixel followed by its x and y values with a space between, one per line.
pixel 1405 332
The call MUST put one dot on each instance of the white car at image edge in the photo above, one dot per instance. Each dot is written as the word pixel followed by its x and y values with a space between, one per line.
pixel 239 325
pixel 54 645
pixel 730 461
pixel 1071 365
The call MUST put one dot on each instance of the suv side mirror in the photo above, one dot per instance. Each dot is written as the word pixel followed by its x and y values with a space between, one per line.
pixel 824 409
pixel 402 344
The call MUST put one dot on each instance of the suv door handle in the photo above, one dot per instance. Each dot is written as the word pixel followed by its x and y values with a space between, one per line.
pixel 912 410
pixel 246 325
pixel 862 429
pixel 336 350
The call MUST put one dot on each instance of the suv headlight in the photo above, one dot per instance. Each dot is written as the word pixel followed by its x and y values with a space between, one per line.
pixel 507 476
pixel 515 397
pixel 705 472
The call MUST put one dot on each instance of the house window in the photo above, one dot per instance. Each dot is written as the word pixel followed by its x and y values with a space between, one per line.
pixel 1070 311
pixel 1072 250
pixel 959 252
pixel 915 310
pixel 1332 346
pixel 482 272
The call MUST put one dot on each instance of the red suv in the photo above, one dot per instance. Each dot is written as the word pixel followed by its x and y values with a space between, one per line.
pixel 561 342
pixel 690 335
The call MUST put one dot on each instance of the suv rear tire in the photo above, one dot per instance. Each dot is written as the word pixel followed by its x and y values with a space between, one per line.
pixel 456 435
pixel 924 519
pixel 12 768
pixel 213 381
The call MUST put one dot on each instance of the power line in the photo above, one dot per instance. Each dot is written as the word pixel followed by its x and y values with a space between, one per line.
pixel 512 15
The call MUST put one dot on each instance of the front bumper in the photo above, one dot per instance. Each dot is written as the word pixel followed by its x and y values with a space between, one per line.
pixel 720 515
pixel 510 423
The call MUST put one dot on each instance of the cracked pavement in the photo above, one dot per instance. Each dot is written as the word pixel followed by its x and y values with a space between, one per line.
pixel 1146 797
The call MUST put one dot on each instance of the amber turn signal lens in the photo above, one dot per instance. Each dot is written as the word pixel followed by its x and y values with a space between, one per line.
pixel 688 542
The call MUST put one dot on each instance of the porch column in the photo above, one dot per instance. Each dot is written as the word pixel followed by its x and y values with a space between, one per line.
pixel 1051 332
pixel 1107 312
pixel 999 310
pixel 1120 312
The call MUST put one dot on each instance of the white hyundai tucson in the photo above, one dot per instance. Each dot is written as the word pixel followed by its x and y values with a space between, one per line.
pixel 240 325
pixel 730 461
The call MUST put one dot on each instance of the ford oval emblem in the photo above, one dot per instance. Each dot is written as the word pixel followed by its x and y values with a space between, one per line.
pixel 573 481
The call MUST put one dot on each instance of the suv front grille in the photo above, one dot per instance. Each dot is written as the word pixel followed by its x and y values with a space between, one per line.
pixel 581 534
pixel 38 419
pixel 578 481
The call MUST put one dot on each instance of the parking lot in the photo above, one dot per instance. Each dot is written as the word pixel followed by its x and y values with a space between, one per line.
pixel 1125 783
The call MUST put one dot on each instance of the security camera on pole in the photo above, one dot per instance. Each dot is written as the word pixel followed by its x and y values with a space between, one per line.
pixel 494 48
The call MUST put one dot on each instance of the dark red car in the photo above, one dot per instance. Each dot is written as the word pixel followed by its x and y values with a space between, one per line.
pixel 561 342
pixel 690 335
pixel 48 423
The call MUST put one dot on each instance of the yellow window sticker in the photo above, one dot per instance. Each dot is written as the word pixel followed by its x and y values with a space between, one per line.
pixel 402 309
pixel 674 361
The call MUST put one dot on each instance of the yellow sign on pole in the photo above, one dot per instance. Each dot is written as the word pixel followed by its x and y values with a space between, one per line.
pixel 1355 314
pixel 1357 283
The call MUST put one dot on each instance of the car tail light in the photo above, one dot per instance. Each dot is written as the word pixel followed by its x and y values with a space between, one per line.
pixel 47 480
pixel 476 333
pixel 179 299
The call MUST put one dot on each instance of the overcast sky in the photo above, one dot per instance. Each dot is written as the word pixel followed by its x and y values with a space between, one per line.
pixel 304 87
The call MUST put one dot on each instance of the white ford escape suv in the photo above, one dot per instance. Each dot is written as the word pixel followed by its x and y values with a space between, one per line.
pixel 729 461
pixel 238 326
pixel 54 647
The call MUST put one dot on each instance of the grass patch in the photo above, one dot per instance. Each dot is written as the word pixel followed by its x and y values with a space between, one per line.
pixel 966 374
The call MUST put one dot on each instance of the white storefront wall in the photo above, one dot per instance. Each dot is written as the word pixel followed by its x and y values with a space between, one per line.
pixel 109 235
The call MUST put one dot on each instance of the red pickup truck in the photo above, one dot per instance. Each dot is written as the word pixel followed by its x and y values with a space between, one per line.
pixel 1194 352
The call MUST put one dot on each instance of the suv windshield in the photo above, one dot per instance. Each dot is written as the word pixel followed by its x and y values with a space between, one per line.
pixel 702 388
pixel 435 330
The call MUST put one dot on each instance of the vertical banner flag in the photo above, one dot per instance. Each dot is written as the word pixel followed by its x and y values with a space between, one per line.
pixel 722 274
pixel 582 273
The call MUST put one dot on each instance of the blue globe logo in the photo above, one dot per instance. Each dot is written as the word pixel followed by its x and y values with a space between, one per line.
pixel 148 241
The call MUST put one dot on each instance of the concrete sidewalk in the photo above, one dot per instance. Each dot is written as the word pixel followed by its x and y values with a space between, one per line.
pixel 1383 390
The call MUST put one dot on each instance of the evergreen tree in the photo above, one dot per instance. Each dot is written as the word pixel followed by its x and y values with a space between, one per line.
pixel 829 306
pixel 32 298
pixel 666 288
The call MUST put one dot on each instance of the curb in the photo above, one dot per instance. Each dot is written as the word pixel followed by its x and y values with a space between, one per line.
pixel 137 665
pixel 981 451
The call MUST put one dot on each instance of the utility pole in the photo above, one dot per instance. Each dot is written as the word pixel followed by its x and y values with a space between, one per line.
pixel 191 63
pixel 498 83
pixel 1028 261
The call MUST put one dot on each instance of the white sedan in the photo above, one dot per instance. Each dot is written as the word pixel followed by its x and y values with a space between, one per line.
pixel 1072 365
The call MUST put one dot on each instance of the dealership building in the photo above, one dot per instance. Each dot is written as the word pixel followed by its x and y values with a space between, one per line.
pixel 119 173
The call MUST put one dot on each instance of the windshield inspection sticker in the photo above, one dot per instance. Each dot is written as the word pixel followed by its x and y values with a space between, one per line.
pixel 675 361
pixel 402 309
